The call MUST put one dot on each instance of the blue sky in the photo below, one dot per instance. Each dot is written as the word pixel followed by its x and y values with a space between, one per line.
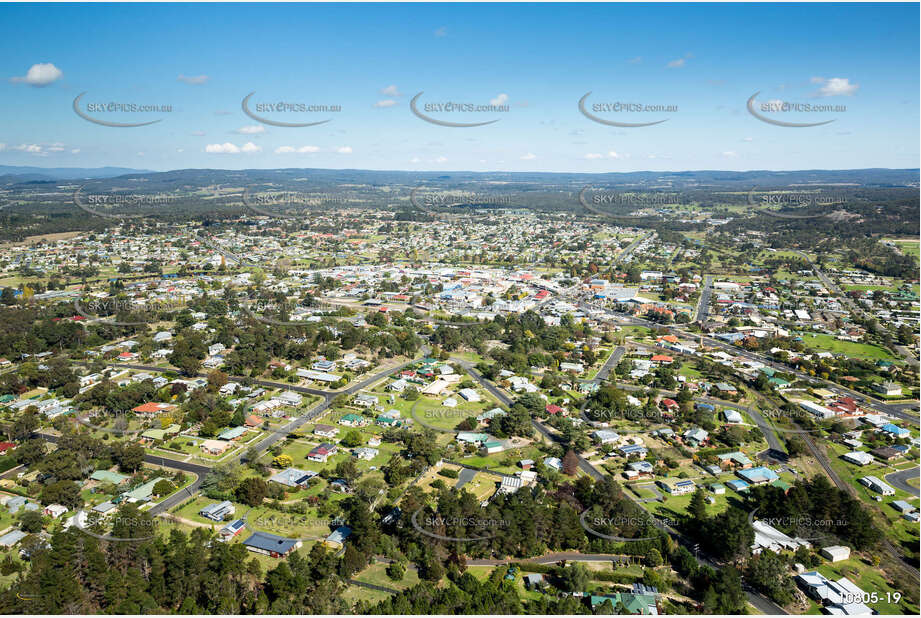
pixel 539 60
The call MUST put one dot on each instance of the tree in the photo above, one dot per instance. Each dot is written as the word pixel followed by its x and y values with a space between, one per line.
pixel 163 488
pixel 352 439
pixel 283 461
pixel 130 457
pixel 768 572
pixel 653 558
pixel 217 379
pixel 252 491
pixel 570 463
pixel 62 492
pixel 30 521
pixel 573 578
pixel 396 570
pixel 698 507
pixel 410 393
pixel 25 425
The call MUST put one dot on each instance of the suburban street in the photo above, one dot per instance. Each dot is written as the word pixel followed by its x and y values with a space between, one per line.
pixel 900 480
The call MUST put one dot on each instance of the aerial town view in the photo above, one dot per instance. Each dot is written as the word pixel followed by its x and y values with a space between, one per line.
pixel 439 309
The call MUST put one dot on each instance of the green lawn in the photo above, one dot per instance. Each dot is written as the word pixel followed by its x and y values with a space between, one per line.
pixel 848 348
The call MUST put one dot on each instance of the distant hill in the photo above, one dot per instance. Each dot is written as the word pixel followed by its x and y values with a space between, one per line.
pixel 26 173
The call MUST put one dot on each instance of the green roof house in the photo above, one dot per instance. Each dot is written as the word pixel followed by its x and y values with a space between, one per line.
pixel 143 493
pixel 106 476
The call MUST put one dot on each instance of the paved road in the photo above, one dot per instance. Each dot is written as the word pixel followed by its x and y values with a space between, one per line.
pixel 610 364
pixel 319 409
pixel 766 429
pixel 464 476
pixel 703 305
pixel 899 480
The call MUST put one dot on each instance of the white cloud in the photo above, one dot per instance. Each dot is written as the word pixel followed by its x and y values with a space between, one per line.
pixel 729 154
pixel 835 86
pixel 499 100
pixel 75 151
pixel 300 150
pixel 385 103
pixel 529 157
pixel 180 150
pixel 615 155
pixel 441 159
pixel 391 91
pixel 225 148
pixel 594 155
pixel 443 31
pixel 636 60
pixel 676 64
pixel 228 148
pixel 192 80
pixel 30 148
pixel 344 150
pixel 198 133
pixel 56 148
pixel 252 129
pixel 748 139
pixel 140 154
pixel 40 75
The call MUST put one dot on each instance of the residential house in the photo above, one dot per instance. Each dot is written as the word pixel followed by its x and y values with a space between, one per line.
pixel 218 511
pixel 271 545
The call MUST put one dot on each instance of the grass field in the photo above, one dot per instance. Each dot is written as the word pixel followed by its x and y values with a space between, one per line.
pixel 848 348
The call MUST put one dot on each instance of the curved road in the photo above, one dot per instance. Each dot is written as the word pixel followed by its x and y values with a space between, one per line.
pixel 899 480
